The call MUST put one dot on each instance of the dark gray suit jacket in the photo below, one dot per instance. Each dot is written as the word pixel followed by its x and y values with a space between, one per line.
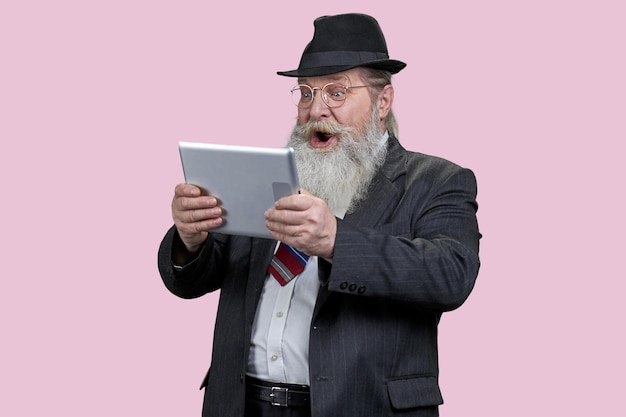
pixel 406 254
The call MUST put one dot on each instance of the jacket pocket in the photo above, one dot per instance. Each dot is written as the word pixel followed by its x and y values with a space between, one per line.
pixel 412 392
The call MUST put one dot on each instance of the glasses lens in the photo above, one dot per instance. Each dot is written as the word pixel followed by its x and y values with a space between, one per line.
pixel 334 94
pixel 302 96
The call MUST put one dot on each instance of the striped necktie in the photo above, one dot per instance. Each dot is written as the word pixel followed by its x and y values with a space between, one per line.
pixel 287 263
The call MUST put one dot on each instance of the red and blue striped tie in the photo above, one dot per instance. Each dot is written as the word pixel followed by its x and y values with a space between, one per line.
pixel 287 263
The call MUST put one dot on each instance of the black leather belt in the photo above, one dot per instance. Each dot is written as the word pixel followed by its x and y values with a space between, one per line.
pixel 280 395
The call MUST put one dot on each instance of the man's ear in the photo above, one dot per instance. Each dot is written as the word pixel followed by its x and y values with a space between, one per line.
pixel 384 101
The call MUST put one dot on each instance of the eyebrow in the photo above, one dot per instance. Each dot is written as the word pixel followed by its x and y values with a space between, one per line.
pixel 332 78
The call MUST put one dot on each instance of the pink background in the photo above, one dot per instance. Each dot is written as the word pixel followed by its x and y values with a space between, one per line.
pixel 95 95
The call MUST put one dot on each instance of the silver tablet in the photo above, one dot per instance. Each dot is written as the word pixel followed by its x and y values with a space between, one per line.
pixel 247 180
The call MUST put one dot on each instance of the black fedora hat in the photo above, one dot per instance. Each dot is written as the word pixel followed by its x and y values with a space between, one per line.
pixel 343 42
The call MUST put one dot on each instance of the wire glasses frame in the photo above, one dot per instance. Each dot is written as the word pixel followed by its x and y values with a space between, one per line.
pixel 333 94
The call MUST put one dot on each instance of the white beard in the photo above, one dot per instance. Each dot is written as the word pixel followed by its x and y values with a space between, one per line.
pixel 341 176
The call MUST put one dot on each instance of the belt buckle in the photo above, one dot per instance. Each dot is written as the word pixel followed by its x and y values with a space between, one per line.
pixel 276 402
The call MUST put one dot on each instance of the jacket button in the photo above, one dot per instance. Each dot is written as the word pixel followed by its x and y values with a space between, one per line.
pixel 361 290
pixel 352 287
pixel 343 285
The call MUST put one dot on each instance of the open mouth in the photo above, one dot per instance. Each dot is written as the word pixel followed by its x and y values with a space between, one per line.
pixel 323 139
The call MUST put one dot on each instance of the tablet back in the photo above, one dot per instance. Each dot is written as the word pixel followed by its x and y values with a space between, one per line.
pixel 247 180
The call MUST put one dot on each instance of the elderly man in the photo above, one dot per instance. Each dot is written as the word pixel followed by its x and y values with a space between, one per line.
pixel 386 240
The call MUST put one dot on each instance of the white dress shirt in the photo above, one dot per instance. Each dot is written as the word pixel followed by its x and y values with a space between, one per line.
pixel 279 350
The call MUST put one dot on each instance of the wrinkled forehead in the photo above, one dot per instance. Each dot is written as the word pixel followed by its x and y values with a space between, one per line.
pixel 347 78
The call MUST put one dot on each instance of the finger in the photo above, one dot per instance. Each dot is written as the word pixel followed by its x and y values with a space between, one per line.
pixel 200 215
pixel 192 222
pixel 187 190
pixel 196 232
pixel 297 202
pixel 200 226
pixel 276 227
pixel 284 236
pixel 193 203
pixel 284 217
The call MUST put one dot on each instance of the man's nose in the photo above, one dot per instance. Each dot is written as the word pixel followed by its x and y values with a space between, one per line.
pixel 319 109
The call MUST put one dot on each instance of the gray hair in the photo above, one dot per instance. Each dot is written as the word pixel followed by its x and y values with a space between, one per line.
pixel 379 79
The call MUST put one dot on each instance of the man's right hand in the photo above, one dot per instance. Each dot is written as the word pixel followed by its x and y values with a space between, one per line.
pixel 194 215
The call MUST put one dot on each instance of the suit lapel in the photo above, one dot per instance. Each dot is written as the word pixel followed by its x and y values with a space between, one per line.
pixel 261 254
pixel 383 191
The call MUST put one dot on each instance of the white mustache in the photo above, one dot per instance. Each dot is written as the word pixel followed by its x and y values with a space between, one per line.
pixel 326 126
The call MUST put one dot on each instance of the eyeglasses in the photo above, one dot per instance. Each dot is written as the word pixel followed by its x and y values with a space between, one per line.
pixel 333 94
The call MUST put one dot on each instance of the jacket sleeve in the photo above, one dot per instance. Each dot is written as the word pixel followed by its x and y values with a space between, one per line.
pixel 198 277
pixel 424 253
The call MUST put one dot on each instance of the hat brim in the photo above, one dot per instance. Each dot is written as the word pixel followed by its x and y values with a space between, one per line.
pixel 391 65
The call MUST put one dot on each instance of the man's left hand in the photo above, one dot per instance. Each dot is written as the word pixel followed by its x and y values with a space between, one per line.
pixel 304 222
